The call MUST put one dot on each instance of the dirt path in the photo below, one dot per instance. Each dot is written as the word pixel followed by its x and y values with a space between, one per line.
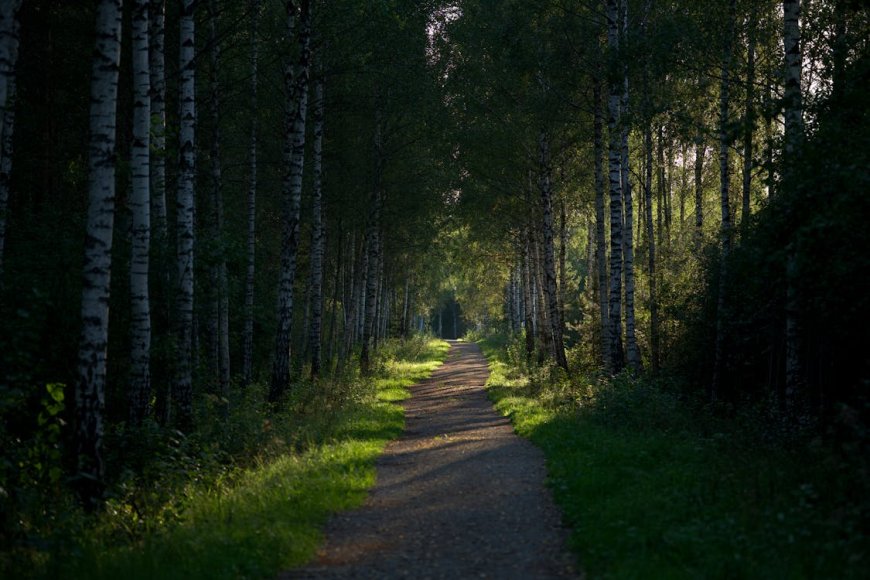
pixel 459 495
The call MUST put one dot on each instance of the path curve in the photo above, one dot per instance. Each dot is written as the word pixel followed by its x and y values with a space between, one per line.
pixel 459 495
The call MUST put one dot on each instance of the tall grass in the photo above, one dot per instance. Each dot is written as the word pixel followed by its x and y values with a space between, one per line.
pixel 251 502
pixel 654 487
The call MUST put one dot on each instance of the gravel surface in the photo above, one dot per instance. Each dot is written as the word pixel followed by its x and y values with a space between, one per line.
pixel 459 495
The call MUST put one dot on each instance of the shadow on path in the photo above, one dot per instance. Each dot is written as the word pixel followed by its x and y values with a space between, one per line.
pixel 459 495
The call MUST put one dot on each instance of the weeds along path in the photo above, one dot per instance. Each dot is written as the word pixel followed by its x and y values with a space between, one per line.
pixel 459 495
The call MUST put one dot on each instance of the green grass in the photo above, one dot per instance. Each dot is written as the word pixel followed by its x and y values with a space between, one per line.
pixel 267 517
pixel 651 492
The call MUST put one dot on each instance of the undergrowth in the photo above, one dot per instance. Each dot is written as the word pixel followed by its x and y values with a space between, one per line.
pixel 245 496
pixel 654 486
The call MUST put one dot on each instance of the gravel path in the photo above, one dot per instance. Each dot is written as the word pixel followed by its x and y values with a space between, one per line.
pixel 459 495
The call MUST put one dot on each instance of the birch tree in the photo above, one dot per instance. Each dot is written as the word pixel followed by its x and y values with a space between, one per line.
pixel 296 85
pixel 724 186
pixel 90 388
pixel 157 68
pixel 631 350
pixel 793 138
pixel 185 208
pixel 219 269
pixel 140 207
pixel 317 234
pixel 549 285
pixel 600 226
pixel 251 243
pixel 615 157
pixel 9 35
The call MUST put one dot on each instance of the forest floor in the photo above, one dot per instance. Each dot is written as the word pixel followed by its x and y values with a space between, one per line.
pixel 459 495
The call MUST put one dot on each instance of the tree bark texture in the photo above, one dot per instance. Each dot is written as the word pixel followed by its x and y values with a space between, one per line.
pixel 296 84
pixel 185 213
pixel 616 226
pixel 724 189
pixel 90 389
pixel 600 226
pixel 9 41
pixel 550 290
pixel 317 235
pixel 140 208
pixel 251 243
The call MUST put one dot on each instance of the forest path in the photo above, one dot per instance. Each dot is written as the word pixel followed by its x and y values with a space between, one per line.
pixel 459 495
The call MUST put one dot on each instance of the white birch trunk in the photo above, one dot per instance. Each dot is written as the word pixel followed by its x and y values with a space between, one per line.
pixel 632 352
pixel 251 246
pixel 96 275
pixel 749 122
pixel 700 151
pixel 600 226
pixel 550 290
pixel 724 188
pixel 185 209
pixel 140 207
pixel 157 21
pixel 616 362
pixel 9 41
pixel 317 234
pixel 296 85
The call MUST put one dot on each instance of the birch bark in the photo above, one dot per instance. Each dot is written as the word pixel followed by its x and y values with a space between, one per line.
pixel 185 209
pixel 90 388
pixel 296 81
pixel 140 207
pixel 317 245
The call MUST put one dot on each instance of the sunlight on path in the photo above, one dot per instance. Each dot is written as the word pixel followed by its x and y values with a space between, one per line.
pixel 459 495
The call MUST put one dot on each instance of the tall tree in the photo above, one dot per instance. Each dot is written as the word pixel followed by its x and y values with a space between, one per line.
pixel 615 158
pixel 219 268
pixel 140 207
pixel 8 58
pixel 549 286
pixel 600 226
pixel 156 36
pixel 185 209
pixel 296 84
pixel 251 244
pixel 793 138
pixel 317 234
pixel 749 112
pixel 632 352
pixel 724 190
pixel 96 275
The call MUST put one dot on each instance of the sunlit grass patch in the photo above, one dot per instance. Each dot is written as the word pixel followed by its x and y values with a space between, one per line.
pixel 255 521
pixel 651 491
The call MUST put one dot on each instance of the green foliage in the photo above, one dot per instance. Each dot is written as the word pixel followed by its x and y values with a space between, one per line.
pixel 246 498
pixel 653 487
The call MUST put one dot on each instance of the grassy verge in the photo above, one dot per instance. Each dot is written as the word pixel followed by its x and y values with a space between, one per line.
pixel 654 490
pixel 255 521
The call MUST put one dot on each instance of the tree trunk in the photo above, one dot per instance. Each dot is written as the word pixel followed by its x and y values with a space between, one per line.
pixel 296 84
pixel 220 268
pixel 371 281
pixel 631 350
pixel 749 123
pixel 600 239
pixel 527 301
pixel 563 253
pixel 700 150
pixel 550 290
pixel 794 129
pixel 91 377
pixel 614 123
pixel 725 228
pixel 140 207
pixel 317 245
pixel 248 331
pixel 9 37
pixel 655 350
pixel 158 116
pixel 183 391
